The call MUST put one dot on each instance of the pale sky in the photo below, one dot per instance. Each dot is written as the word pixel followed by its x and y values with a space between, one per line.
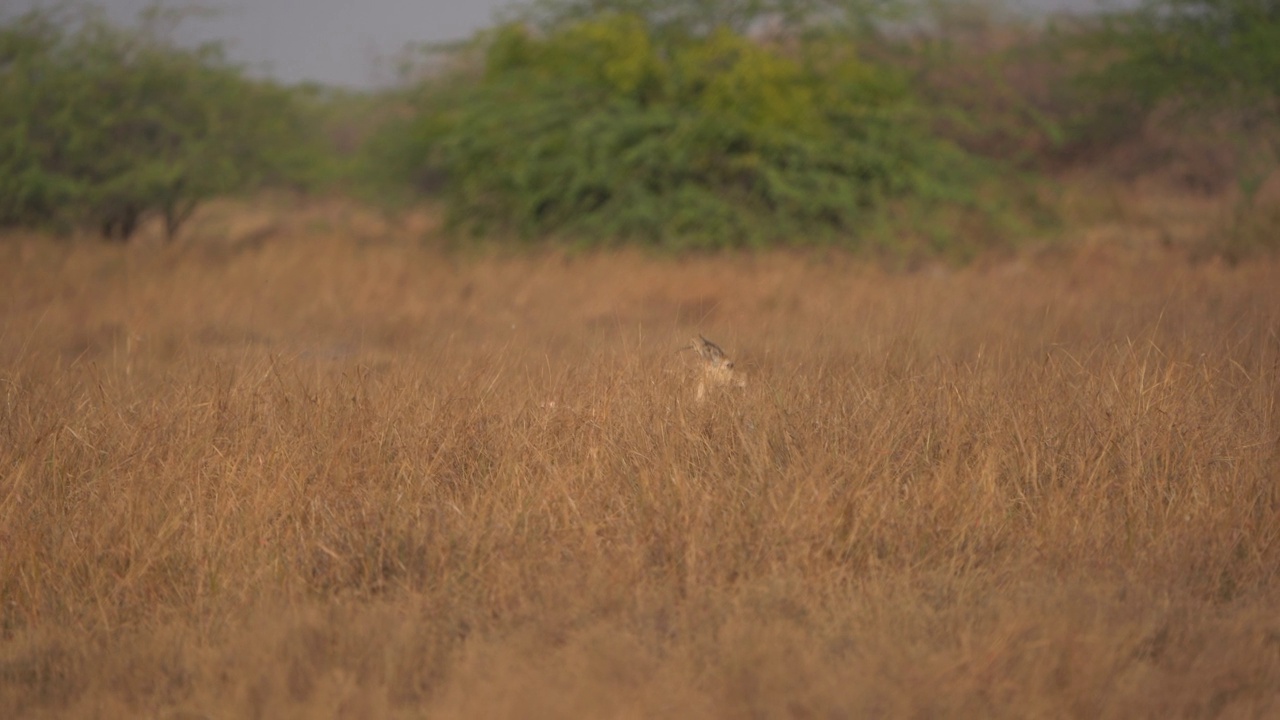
pixel 338 42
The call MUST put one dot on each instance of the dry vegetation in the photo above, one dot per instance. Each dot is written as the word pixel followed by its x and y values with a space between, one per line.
pixel 333 473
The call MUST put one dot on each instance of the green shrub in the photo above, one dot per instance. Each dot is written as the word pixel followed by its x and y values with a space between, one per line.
pixel 103 126
pixel 679 18
pixel 1204 53
pixel 1183 62
pixel 1209 70
pixel 605 130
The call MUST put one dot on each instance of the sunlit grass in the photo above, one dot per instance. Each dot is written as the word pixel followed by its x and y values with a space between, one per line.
pixel 317 477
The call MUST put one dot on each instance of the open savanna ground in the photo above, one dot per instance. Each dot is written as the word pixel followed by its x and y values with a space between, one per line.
pixel 330 471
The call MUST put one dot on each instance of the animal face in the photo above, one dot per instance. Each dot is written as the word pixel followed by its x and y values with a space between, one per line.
pixel 717 368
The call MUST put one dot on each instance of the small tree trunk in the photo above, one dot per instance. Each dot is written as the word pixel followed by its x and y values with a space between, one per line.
pixel 175 214
pixel 120 225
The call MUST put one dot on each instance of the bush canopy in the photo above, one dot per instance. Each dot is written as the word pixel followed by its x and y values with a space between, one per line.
pixel 103 126
pixel 606 130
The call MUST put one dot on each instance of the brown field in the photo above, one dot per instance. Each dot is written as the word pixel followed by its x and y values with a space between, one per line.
pixel 331 472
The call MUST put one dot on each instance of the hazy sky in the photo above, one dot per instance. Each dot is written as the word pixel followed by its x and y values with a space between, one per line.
pixel 340 42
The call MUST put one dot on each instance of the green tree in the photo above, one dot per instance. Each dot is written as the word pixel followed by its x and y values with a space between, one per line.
pixel 702 17
pixel 1199 52
pixel 104 125
pixel 607 129
pixel 1205 67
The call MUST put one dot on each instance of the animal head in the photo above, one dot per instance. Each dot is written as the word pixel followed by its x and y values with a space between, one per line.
pixel 717 368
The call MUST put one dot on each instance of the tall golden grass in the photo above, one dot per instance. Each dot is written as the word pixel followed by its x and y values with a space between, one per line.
pixel 328 477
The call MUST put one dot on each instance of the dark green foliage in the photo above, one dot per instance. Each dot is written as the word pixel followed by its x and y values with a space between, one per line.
pixel 1188 60
pixel 1196 51
pixel 103 126
pixel 679 18
pixel 1209 70
pixel 605 130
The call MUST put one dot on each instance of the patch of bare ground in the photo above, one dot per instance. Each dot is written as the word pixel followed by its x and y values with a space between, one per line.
pixel 334 473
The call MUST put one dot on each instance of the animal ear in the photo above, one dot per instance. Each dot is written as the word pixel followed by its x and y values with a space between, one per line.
pixel 707 349
pixel 699 345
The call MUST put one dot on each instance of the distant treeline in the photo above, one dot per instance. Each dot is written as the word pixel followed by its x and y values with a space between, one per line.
pixel 102 126
pixel 695 123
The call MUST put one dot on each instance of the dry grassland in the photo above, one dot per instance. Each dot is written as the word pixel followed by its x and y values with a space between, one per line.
pixel 325 476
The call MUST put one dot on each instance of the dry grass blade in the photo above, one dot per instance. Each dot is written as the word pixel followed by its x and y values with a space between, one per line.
pixel 315 479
